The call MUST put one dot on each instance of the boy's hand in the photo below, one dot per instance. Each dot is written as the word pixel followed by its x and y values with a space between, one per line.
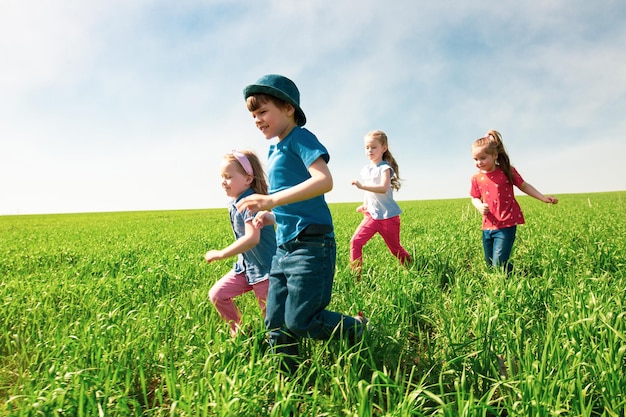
pixel 357 184
pixel 551 200
pixel 255 203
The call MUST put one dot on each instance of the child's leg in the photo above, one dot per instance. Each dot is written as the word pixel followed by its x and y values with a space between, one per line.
pixel 281 340
pixel 389 229
pixel 222 293
pixel 310 270
pixel 503 240
pixel 362 235
pixel 488 246
pixel 260 292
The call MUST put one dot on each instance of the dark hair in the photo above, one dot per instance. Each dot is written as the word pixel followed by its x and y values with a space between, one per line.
pixel 255 101
pixel 259 181
pixel 492 144
pixel 381 137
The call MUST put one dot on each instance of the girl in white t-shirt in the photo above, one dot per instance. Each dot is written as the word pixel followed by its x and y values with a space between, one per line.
pixel 381 213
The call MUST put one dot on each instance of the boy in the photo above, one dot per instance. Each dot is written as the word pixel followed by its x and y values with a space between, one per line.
pixel 302 271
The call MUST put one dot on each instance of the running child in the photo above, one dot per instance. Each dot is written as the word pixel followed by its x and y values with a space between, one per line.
pixel 492 195
pixel 254 245
pixel 381 214
pixel 303 269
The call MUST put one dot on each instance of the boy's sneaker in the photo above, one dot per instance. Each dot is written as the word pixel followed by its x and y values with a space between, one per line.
pixel 360 317
pixel 365 325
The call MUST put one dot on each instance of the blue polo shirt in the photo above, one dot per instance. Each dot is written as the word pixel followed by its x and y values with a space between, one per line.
pixel 288 165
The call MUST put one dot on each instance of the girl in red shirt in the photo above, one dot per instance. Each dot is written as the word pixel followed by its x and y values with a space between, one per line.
pixel 492 195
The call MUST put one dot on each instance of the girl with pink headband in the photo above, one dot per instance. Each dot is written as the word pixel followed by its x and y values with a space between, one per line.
pixel 254 245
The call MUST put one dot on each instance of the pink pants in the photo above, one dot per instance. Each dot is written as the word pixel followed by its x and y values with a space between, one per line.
pixel 230 286
pixel 389 229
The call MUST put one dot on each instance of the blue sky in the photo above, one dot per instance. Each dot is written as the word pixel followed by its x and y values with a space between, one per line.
pixel 111 105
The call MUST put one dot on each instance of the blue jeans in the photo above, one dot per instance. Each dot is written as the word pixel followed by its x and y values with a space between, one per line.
pixel 301 281
pixel 498 245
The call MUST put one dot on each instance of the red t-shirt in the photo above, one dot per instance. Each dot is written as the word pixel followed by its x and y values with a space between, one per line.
pixel 495 189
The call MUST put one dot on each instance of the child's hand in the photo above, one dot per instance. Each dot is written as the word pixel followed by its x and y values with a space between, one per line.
pixel 357 184
pixel 213 255
pixel 361 209
pixel 263 218
pixel 483 208
pixel 551 200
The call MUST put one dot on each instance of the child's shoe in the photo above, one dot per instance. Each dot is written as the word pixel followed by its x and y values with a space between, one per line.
pixel 364 327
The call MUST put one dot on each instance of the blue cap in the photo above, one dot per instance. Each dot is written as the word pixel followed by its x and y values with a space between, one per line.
pixel 280 87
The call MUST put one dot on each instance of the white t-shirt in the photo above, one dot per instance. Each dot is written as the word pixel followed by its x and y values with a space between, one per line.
pixel 380 206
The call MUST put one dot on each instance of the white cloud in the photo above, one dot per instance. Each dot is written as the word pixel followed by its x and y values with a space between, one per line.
pixel 592 166
pixel 111 105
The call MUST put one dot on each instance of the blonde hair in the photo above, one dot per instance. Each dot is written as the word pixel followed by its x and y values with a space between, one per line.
pixel 381 137
pixel 259 180
pixel 492 144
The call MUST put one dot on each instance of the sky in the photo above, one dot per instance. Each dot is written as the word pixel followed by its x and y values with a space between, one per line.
pixel 116 105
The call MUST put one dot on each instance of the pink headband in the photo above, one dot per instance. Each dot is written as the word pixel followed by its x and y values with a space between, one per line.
pixel 243 160
pixel 489 135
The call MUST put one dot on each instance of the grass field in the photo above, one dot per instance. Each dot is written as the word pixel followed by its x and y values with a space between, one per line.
pixel 107 315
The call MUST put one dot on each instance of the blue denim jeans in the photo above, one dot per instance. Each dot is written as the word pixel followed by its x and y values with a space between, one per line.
pixel 498 245
pixel 301 281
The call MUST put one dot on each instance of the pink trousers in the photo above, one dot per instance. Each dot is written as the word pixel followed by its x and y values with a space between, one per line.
pixel 389 229
pixel 230 286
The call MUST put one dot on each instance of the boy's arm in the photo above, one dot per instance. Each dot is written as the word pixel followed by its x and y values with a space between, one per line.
pixel 533 192
pixel 321 182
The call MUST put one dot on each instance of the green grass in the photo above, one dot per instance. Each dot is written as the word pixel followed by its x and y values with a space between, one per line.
pixel 107 314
